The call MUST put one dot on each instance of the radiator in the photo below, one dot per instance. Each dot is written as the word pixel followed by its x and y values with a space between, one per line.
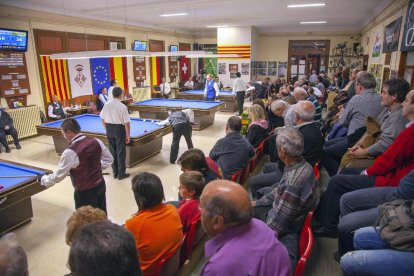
pixel 25 120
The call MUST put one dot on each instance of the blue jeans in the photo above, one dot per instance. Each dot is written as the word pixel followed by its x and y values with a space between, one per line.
pixel 359 209
pixel 332 154
pixel 379 259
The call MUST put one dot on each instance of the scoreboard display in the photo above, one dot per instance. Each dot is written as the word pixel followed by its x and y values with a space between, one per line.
pixel 13 40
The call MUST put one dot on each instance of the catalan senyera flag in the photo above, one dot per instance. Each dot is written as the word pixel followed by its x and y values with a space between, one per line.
pixel 118 67
pixel 243 50
pixel 157 67
pixel 55 78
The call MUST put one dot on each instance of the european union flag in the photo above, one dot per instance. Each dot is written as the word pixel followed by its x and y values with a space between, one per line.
pixel 100 74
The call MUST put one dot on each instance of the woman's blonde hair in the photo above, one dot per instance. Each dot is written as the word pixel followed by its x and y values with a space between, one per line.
pixel 257 113
pixel 82 216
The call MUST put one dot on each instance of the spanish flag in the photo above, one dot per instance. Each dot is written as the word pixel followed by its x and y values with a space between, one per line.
pixel 119 72
pixel 157 70
pixel 55 78
pixel 242 50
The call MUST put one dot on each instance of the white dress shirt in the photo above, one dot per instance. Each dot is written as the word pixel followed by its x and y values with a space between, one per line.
pixel 70 160
pixel 110 95
pixel 115 112
pixel 103 99
pixel 165 88
pixel 189 84
pixel 50 110
pixel 239 85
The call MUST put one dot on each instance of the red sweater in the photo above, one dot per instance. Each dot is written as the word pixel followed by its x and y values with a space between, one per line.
pixel 188 210
pixel 396 161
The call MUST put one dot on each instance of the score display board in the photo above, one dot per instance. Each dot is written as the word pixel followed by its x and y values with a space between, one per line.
pixel 13 40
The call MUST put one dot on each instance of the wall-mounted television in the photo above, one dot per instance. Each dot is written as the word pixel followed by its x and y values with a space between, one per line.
pixel 140 45
pixel 173 48
pixel 13 40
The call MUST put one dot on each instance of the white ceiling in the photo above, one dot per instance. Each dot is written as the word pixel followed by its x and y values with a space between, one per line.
pixel 269 16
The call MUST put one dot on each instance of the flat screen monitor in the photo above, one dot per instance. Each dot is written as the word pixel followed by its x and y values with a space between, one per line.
pixel 13 40
pixel 173 48
pixel 140 45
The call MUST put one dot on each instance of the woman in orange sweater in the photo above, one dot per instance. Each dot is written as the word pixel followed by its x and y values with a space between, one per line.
pixel 156 226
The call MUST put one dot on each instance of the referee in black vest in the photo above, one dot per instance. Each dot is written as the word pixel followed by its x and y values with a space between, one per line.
pixel 115 119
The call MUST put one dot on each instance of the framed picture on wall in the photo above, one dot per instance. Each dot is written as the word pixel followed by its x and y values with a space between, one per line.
pixel 245 68
pixel 221 68
pixel 233 69
pixel 261 64
pixel 261 72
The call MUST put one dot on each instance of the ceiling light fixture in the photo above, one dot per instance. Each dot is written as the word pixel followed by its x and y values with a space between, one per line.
pixel 173 14
pixel 306 5
pixel 217 26
pixel 123 53
pixel 99 54
pixel 312 22
pixel 213 56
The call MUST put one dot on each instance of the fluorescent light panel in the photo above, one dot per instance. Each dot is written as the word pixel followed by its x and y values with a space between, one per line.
pixel 306 5
pixel 213 56
pixel 173 14
pixel 123 53
pixel 217 26
pixel 312 22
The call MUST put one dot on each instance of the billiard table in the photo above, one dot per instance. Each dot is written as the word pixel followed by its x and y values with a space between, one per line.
pixel 230 104
pixel 146 136
pixel 204 111
pixel 18 183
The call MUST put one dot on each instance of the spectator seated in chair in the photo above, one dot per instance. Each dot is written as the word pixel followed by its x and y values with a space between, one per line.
pixel 285 208
pixel 232 152
pixel 92 109
pixel 156 226
pixel 240 244
pixel 7 128
pixel 55 110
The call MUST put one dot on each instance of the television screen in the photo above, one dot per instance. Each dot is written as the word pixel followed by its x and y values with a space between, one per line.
pixel 173 48
pixel 13 40
pixel 140 45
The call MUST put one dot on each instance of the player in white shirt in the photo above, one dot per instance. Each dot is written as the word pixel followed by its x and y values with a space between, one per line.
pixel 115 118
pixel 239 90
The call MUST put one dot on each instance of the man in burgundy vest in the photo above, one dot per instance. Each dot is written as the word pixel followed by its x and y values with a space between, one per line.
pixel 84 160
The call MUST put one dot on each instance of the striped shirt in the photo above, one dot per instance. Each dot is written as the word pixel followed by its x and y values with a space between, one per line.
pixel 368 103
pixel 318 108
pixel 296 195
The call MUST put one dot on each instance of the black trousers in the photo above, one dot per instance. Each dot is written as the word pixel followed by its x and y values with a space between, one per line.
pixel 178 131
pixel 332 154
pixel 94 197
pixel 116 137
pixel 11 131
pixel 349 180
pixel 240 100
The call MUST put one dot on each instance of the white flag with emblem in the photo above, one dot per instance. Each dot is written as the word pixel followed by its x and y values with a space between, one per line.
pixel 80 77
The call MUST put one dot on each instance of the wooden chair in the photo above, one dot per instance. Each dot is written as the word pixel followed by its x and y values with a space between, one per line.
pixel 168 265
pixel 306 241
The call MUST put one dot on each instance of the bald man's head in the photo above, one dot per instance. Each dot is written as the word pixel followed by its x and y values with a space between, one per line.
pixel 224 204
pixel 305 111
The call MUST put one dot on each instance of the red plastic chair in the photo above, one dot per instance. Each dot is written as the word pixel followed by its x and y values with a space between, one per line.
pixel 237 176
pixel 214 167
pixel 194 235
pixel 168 265
pixel 316 171
pixel 306 241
